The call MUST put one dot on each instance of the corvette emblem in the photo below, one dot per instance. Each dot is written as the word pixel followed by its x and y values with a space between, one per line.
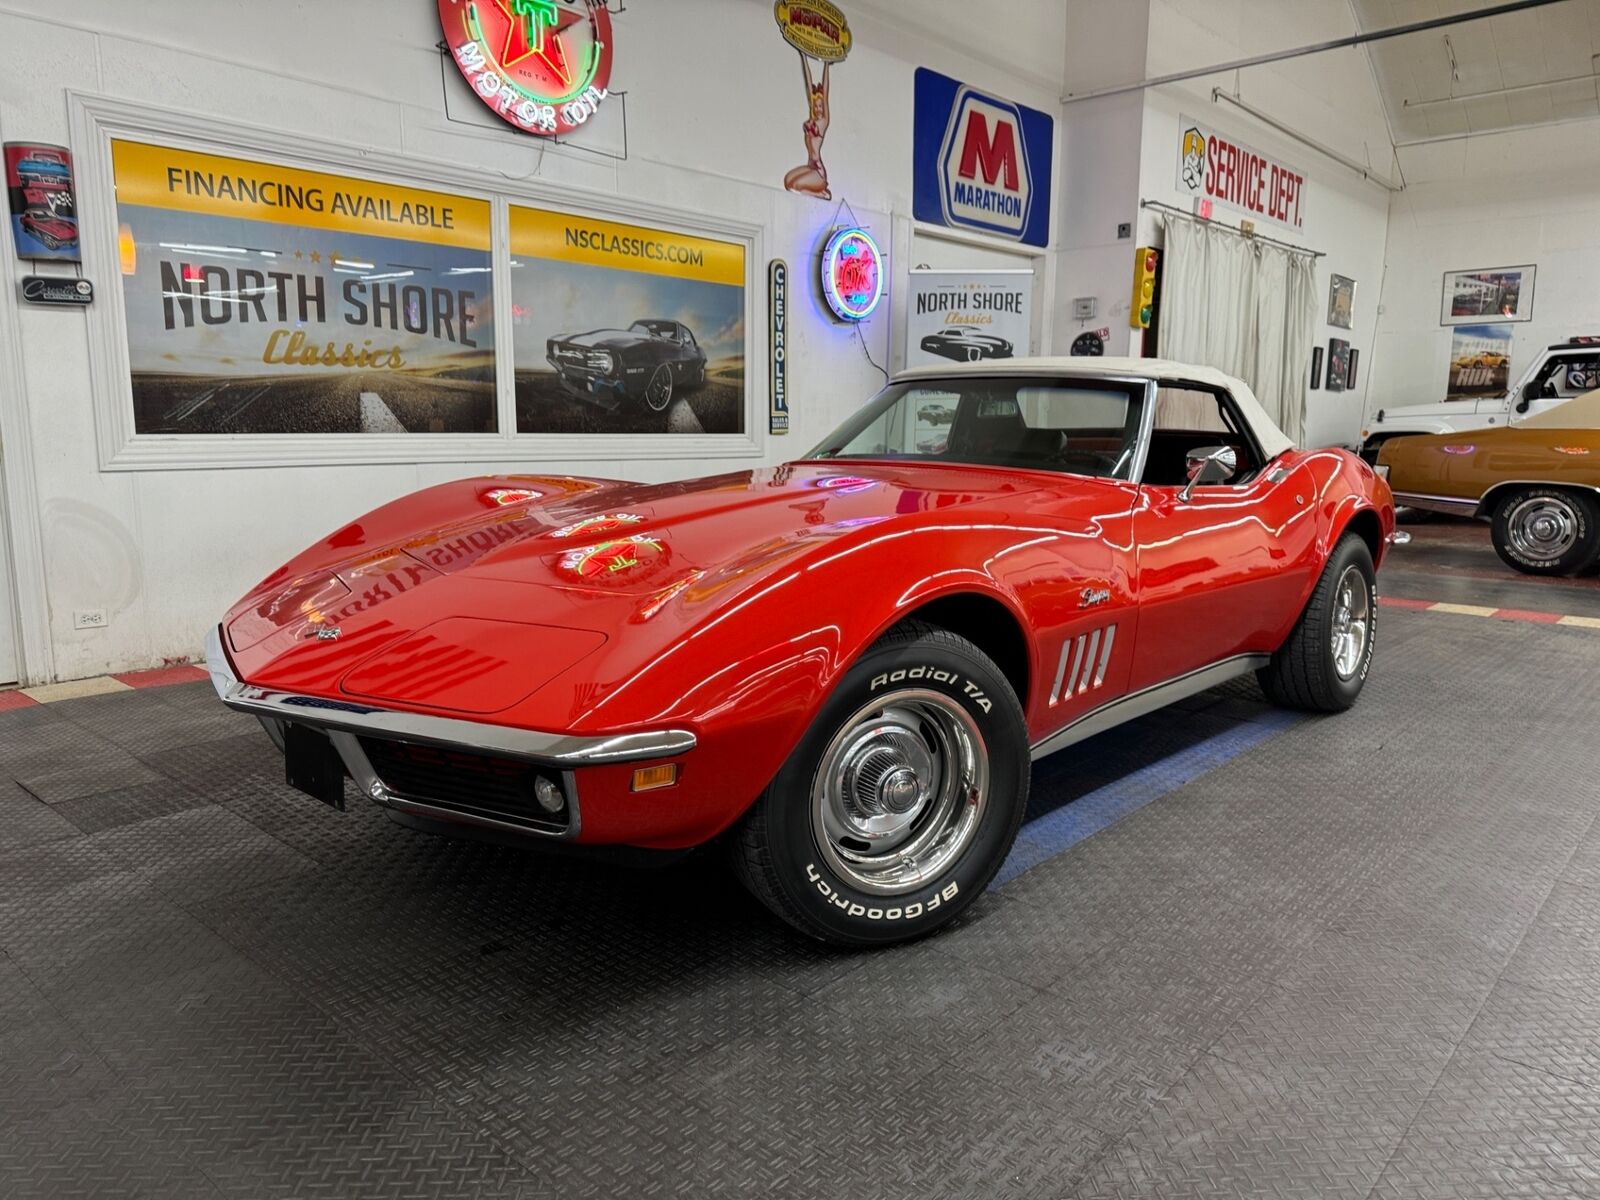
pixel 328 633
pixel 1092 597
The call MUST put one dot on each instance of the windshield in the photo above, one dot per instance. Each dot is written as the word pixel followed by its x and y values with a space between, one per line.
pixel 1084 427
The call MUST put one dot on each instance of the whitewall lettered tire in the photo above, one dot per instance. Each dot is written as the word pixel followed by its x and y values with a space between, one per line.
pixel 901 801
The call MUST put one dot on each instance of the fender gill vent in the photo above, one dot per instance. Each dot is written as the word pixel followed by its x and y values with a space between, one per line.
pixel 1083 663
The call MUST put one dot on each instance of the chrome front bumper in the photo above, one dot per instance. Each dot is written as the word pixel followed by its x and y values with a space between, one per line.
pixel 346 722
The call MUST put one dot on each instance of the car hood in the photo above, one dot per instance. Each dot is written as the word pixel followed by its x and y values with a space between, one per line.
pixel 545 575
pixel 601 338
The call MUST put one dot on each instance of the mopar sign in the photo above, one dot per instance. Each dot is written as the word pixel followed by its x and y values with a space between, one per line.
pixel 980 162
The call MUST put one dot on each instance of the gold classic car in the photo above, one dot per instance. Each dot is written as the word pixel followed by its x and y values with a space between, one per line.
pixel 1537 482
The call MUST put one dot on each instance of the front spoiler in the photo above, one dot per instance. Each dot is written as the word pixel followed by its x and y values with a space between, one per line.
pixel 346 722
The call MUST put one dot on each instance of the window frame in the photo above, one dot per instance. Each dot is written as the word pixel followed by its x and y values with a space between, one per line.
pixel 1231 413
pixel 96 120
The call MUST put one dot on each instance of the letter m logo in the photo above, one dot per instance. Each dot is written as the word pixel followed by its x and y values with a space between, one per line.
pixel 984 182
pixel 990 151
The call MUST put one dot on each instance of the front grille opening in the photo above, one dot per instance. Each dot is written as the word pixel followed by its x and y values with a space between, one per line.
pixel 474 785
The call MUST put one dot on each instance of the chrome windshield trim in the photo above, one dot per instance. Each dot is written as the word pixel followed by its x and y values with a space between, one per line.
pixel 348 716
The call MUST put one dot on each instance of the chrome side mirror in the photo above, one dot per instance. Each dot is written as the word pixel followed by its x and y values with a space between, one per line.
pixel 1209 464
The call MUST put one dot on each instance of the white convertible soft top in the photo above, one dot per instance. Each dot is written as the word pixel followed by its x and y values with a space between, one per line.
pixel 1164 371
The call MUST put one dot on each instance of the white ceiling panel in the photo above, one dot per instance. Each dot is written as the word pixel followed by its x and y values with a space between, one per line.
pixel 1504 72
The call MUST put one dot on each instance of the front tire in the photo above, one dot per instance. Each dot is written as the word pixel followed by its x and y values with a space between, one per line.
pixel 1547 531
pixel 901 801
pixel 658 392
pixel 1323 664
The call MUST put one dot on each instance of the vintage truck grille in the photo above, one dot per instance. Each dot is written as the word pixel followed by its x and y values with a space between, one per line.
pixel 474 785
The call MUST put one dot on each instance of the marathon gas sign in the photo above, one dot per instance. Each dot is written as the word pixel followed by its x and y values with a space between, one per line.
pixel 1213 166
pixel 980 162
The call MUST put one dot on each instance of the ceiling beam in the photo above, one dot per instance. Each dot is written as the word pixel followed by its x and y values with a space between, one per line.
pixel 1356 39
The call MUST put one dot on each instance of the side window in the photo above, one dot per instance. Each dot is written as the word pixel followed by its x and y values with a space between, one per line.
pixel 1579 375
pixel 688 336
pixel 1188 418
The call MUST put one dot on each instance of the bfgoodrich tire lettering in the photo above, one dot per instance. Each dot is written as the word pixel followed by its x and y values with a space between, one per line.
pixel 1547 530
pixel 901 801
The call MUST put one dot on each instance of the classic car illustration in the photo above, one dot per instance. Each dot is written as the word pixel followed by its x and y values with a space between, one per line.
pixel 1537 482
pixel 936 413
pixel 839 667
pixel 53 231
pixel 43 166
pixel 646 361
pixel 966 344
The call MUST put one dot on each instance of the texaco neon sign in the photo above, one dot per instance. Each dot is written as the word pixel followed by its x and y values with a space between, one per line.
pixel 542 66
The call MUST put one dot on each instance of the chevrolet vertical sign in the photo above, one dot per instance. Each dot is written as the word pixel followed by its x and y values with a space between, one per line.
pixel 980 162
pixel 777 308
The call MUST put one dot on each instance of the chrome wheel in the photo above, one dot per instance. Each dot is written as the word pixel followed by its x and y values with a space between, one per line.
pixel 658 392
pixel 1352 621
pixel 1543 529
pixel 900 791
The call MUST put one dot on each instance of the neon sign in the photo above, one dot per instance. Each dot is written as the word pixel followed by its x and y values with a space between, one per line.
pixel 852 273
pixel 540 66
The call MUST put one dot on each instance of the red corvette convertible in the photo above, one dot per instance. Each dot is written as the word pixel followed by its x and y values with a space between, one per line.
pixel 839 667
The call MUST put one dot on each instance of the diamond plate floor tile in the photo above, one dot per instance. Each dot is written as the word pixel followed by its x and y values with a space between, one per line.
pixel 127 806
pixel 1493 1127
pixel 146 721
pixel 27 821
pixel 54 776
pixel 197 855
pixel 1225 1131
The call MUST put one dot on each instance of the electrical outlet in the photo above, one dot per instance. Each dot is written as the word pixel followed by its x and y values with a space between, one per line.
pixel 89 618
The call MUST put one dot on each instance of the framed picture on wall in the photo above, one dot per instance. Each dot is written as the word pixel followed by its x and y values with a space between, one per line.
pixel 1338 364
pixel 1350 375
pixel 1487 294
pixel 1341 301
pixel 1316 367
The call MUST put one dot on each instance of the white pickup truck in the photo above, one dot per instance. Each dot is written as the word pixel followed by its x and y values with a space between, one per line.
pixel 1563 371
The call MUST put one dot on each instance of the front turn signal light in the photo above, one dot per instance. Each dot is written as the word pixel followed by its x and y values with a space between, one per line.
pixel 648 779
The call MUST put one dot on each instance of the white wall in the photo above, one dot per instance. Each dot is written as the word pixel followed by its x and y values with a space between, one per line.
pixel 714 107
pixel 1329 97
pixel 1503 199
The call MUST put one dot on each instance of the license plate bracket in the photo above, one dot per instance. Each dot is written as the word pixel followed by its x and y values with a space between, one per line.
pixel 312 765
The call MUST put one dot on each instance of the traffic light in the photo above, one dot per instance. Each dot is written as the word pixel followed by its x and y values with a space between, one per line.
pixel 1146 260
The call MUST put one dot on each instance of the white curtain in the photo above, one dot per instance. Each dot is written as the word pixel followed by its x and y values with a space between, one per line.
pixel 1244 307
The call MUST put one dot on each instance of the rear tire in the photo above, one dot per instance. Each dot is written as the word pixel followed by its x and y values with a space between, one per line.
pixel 1323 664
pixel 901 801
pixel 1547 531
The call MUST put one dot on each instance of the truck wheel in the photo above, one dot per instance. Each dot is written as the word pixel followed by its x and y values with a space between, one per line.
pixel 1324 663
pixel 900 802
pixel 1547 531
pixel 658 392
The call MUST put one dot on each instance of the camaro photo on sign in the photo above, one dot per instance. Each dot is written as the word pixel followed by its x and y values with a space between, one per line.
pixel 840 669
pixel 979 161
pixel 1214 166
pixel 625 329
pixel 265 299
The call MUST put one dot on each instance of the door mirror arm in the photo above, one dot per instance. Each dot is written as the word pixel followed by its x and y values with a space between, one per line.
pixel 1209 464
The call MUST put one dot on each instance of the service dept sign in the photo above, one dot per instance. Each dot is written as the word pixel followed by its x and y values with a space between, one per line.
pixel 542 66
pixel 1213 166
pixel 979 161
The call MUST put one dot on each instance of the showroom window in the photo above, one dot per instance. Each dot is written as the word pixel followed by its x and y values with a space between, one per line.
pixel 273 307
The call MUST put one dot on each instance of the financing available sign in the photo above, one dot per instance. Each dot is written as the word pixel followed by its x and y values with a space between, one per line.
pixel 1213 166
pixel 266 299
pixel 979 161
